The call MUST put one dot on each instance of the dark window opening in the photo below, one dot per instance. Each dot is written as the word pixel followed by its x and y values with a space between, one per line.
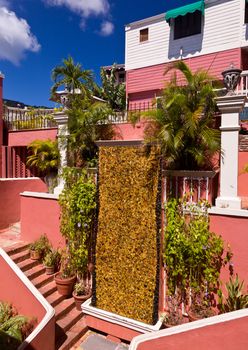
pixel 246 12
pixel 187 25
pixel 143 35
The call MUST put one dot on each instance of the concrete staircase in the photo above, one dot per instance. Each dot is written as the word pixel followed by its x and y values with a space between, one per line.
pixel 70 323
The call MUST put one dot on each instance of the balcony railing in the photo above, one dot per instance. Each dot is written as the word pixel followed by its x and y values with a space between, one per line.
pixel 242 88
pixel 24 119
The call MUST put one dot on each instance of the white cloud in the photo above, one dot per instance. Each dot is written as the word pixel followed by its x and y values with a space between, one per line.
pixel 107 28
pixel 15 37
pixel 84 8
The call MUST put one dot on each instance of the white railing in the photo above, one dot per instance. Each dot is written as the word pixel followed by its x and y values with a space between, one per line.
pixel 242 88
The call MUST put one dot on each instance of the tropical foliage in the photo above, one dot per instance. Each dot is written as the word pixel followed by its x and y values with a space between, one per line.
pixel 44 155
pixel 111 91
pixel 184 121
pixel 14 328
pixel 88 122
pixel 72 76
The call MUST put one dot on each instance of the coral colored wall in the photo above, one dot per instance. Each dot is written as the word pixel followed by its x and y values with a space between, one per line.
pixel 153 78
pixel 24 137
pixel 13 290
pixel 234 231
pixel 10 201
pixel 39 216
pixel 243 177
pixel 227 335
pixel 23 300
pixel 127 131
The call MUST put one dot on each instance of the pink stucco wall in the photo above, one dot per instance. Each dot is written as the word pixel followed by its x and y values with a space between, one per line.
pixel 226 335
pixel 39 216
pixel 10 201
pixel 127 131
pixel 234 231
pixel 153 78
pixel 15 291
pixel 24 137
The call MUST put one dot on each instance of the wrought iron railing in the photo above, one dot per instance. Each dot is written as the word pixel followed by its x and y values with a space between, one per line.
pixel 24 119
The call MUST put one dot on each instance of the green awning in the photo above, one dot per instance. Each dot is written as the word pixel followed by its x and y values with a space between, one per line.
pixel 183 10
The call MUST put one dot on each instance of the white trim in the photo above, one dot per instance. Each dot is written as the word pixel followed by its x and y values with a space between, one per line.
pixel 188 327
pixel 18 178
pixel 39 195
pixel 50 312
pixel 120 320
pixel 228 212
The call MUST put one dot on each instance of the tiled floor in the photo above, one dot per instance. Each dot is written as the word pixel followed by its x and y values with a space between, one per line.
pixel 93 341
pixel 10 235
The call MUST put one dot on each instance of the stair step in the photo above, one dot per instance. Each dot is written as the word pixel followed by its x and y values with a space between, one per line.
pixel 28 264
pixel 35 271
pixel 63 308
pixel 48 289
pixel 55 298
pixel 70 319
pixel 42 280
pixel 73 335
pixel 20 256
pixel 16 248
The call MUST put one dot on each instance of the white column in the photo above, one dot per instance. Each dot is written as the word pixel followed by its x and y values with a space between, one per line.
pixel 63 133
pixel 230 106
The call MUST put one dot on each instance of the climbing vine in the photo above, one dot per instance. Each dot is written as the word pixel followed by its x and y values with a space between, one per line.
pixel 77 203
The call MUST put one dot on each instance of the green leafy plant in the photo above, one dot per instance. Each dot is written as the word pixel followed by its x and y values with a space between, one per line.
pixel 41 245
pixel 193 255
pixel 236 299
pixel 52 258
pixel 77 203
pixel 14 328
pixel 183 123
pixel 81 289
pixel 44 155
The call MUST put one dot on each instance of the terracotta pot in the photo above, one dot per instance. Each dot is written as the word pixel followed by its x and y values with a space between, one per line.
pixel 50 270
pixel 64 285
pixel 79 299
pixel 35 255
pixel 195 317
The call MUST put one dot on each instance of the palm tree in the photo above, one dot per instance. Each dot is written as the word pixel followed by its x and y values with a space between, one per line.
pixel 44 155
pixel 72 76
pixel 184 121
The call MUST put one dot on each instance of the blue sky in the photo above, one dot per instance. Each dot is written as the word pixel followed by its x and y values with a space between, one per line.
pixel 35 35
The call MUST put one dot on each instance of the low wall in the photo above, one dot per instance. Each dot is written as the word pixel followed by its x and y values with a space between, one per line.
pixel 40 213
pixel 227 332
pixel 234 230
pixel 24 137
pixel 15 288
pixel 127 131
pixel 10 202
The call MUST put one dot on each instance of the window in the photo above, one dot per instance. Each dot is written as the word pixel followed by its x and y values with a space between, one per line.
pixel 143 35
pixel 187 25
pixel 121 77
pixel 246 12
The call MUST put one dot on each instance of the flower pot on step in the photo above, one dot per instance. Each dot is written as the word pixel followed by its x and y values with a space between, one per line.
pixel 80 299
pixel 64 285
pixel 35 255
pixel 50 270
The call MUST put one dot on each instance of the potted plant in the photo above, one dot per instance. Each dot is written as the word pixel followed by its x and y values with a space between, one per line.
pixel 173 315
pixel 65 278
pixel 201 307
pixel 51 261
pixel 39 248
pixel 80 294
